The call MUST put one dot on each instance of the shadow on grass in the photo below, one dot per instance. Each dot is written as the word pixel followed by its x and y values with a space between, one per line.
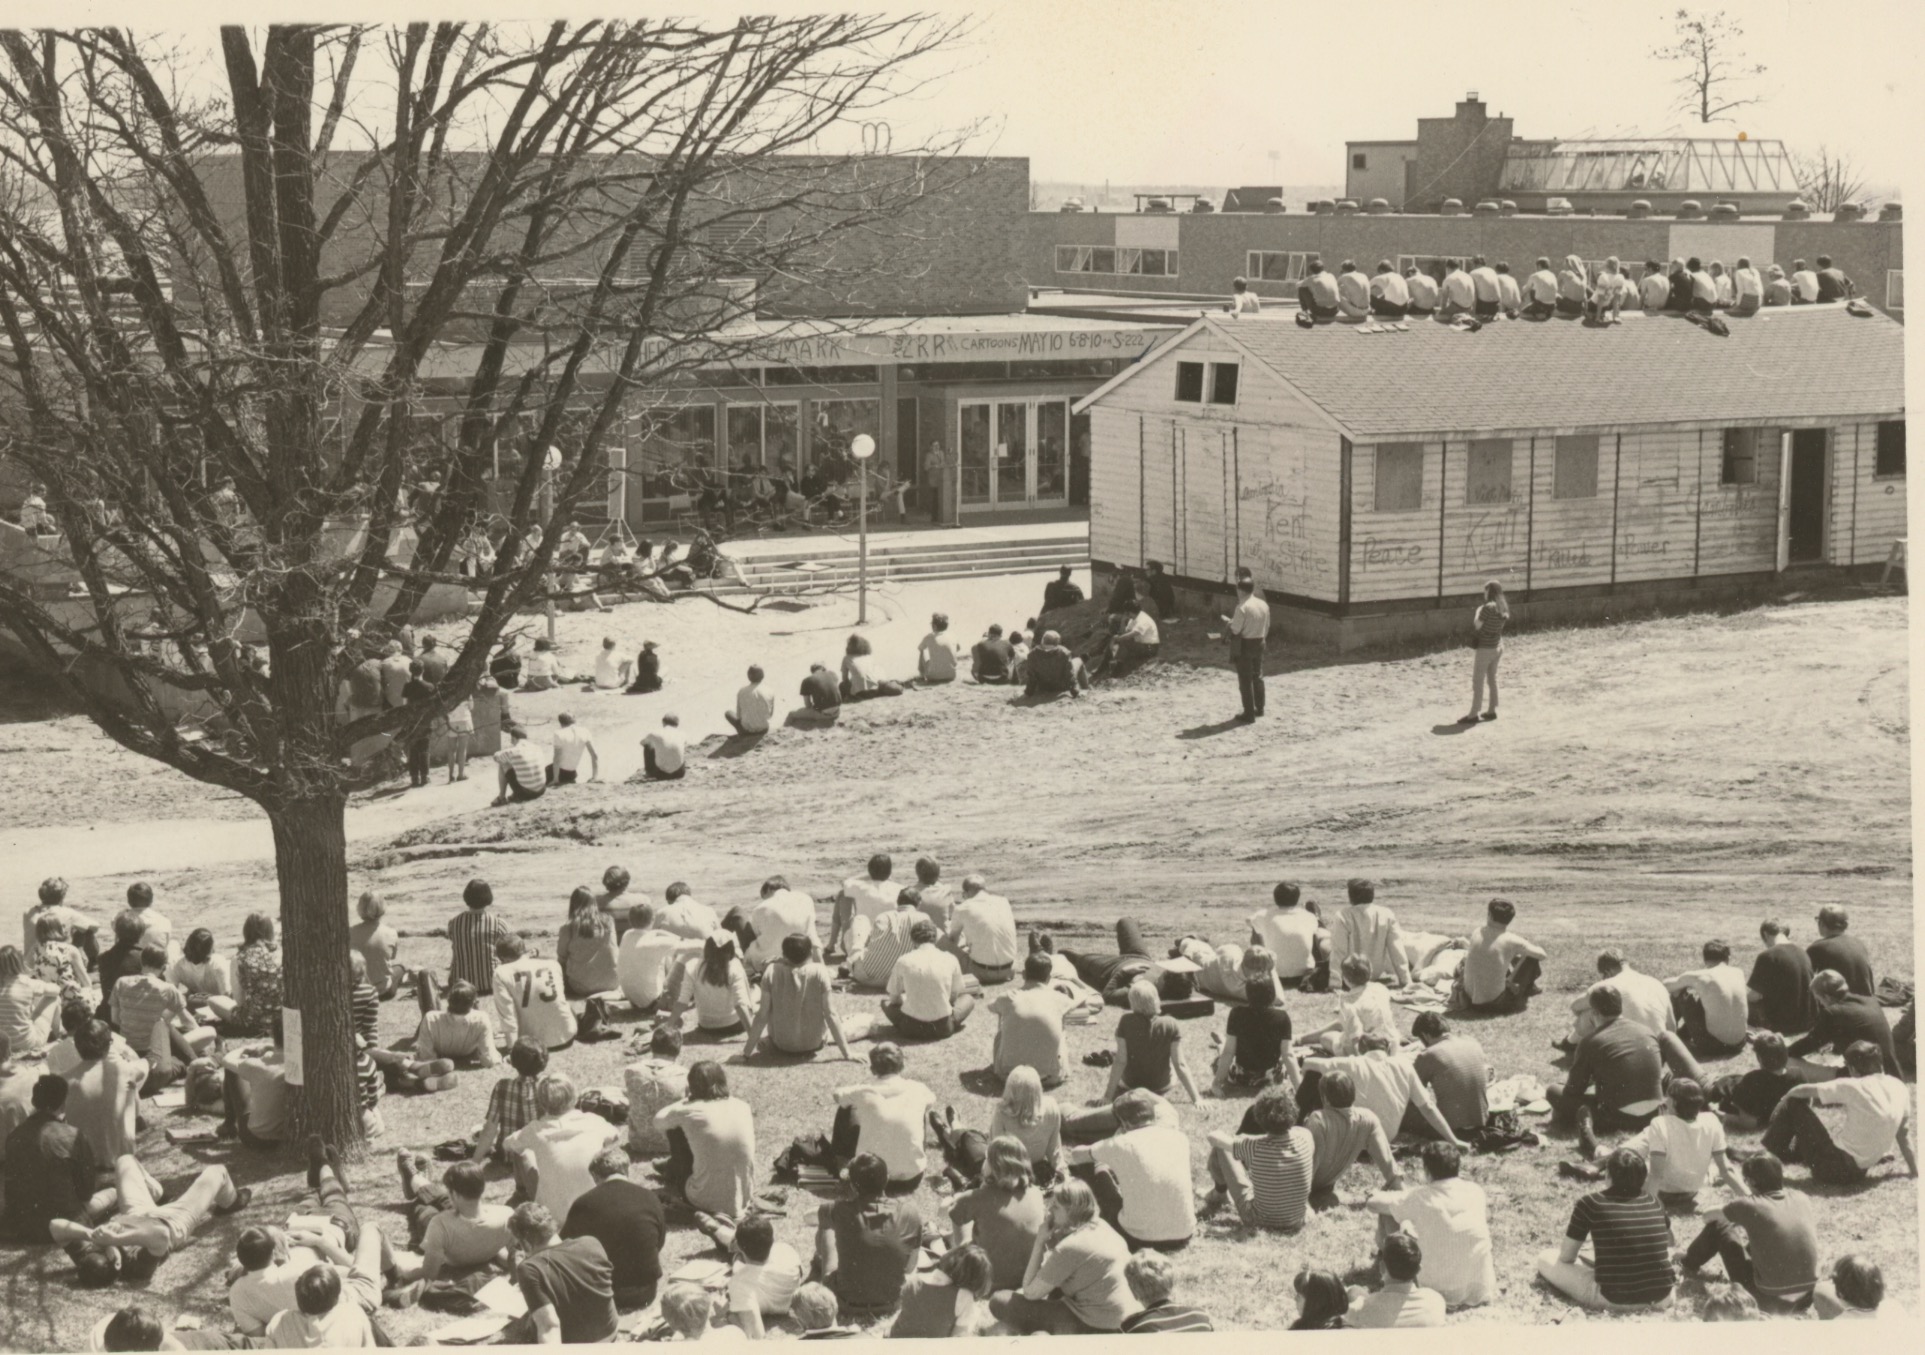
pixel 1212 730
pixel 1454 727
pixel 981 1081
pixel 736 745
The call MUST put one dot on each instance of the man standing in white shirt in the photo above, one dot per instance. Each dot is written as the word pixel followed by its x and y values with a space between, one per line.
pixel 665 752
pixel 571 741
pixel 936 656
pixel 754 705
pixel 1288 933
pixel 1711 1004
pixel 1249 630
pixel 780 913
pixel 983 931
pixel 928 998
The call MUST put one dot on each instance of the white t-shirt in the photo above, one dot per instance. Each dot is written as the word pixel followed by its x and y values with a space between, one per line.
pixel 891 1120
pixel 1290 934
pixel 937 658
pixel 1748 283
pixel 987 925
pixel 1680 1151
pixel 927 982
pixel 570 743
pixel 1152 1167
pixel 872 897
pixel 608 669
pixel 1541 287
pixel 563 1148
pixel 257 1296
pixel 1721 990
pixel 754 707
pixel 541 663
pixel 1805 283
pixel 1143 630
pixel 1874 1106
pixel 778 916
pixel 715 1004
pixel 1363 1010
pixel 1391 288
pixel 1452 1226
pixel 342 1327
pixel 642 963
pixel 529 999
pixel 767 1288
pixel 670 748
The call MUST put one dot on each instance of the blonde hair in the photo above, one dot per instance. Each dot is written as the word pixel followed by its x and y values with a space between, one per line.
pixel 1144 1000
pixel 1076 1200
pixel 687 1308
pixel 1258 963
pixel 1023 1094
pixel 372 907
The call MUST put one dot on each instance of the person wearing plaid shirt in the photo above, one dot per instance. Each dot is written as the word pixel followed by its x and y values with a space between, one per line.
pixel 512 1103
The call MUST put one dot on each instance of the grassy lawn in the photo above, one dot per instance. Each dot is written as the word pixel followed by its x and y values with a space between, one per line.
pixel 1648 787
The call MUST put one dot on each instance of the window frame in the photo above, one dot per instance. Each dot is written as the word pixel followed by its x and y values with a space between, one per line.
pixel 1379 479
pixel 1894 289
pixel 1728 458
pixel 1212 390
pixel 1296 263
pixel 1878 450
pixel 1183 368
pixel 1487 445
pixel 1573 442
pixel 1360 160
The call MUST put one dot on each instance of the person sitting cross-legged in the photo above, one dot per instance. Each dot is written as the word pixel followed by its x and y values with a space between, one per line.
pixel 461 1033
pixel 1051 670
pixel 1029 1023
pixel 1141 1176
pixel 877 943
pixel 1341 1131
pixel 626 1218
pixel 1630 1236
pixel 567 1283
pixel 711 1138
pixel 1877 1118
pixel 928 997
pixel 1501 968
pixel 1402 1302
pixel 1151 1279
pixel 867 1243
pixel 1450 1220
pixel 1363 1008
pixel 797 1012
pixel 1264 1169
pixel 1616 1083
pixel 1074 1282
pixel 1767 1239
pixel 1149 1048
pixel 1682 1145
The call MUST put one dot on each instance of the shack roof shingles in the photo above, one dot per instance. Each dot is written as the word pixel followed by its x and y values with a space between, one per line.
pixel 1800 363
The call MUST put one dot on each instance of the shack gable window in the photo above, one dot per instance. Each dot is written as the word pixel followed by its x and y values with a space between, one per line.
pixel 1740 457
pixel 1490 472
pixel 1189 382
pixel 1223 383
pixel 1400 477
pixel 1891 450
pixel 1575 476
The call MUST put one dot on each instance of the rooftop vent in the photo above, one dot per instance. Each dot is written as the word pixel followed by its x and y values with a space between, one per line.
pixel 1378 207
pixel 1487 207
pixel 1276 206
pixel 1071 205
pixel 1453 207
pixel 1848 211
pixel 1796 210
pixel 1690 209
pixel 1639 209
pixel 1892 211
pixel 1507 208
pixel 1557 206
pixel 1725 211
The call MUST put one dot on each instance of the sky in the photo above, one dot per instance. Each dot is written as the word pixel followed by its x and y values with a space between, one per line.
pixel 1203 91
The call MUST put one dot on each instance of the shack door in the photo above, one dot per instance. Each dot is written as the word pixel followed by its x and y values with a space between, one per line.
pixel 1805 523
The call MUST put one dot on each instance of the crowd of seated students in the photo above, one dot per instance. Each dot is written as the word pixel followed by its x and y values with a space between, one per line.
pixel 1060 1221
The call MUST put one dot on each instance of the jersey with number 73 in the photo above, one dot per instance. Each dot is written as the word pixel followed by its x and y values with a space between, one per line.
pixel 530 1001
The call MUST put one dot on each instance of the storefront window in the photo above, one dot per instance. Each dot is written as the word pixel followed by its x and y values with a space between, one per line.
pixel 837 422
pixel 673 442
pixel 762 436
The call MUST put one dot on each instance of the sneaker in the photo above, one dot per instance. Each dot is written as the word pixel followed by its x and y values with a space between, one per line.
pixel 1488 715
pixel 242 1198
pixel 446 1082
pixel 1467 719
pixel 1210 1202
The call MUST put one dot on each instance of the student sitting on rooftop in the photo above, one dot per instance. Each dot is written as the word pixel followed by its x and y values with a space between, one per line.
pixel 1318 294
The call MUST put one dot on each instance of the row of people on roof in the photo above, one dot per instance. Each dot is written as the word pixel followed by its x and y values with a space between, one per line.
pixel 1479 288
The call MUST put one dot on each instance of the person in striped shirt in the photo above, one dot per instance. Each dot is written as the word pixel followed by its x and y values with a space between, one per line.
pixel 1151 1277
pixel 152 1013
pixel 27 1004
pixel 1265 1174
pixel 888 941
pixel 1630 1236
pixel 473 935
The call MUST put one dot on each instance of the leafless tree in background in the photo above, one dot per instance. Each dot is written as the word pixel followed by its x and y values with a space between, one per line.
pixel 221 303
pixel 1827 179
pixel 1713 71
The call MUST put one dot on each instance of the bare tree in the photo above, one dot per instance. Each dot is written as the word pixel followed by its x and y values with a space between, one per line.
pixel 1713 71
pixel 236 327
pixel 1827 179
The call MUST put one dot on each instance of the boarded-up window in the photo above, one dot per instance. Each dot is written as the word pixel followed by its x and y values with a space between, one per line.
pixel 1400 477
pixel 1189 382
pixel 1576 472
pixel 1223 383
pixel 1891 449
pixel 1740 457
pixel 1894 289
pixel 1359 161
pixel 1490 472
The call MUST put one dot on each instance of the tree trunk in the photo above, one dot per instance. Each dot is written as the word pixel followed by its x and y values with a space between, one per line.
pixel 310 857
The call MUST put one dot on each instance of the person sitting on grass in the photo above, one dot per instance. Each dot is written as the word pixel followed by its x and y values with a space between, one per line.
pixel 522 770
pixel 1501 968
pixel 1746 1100
pixel 1132 642
pixel 1711 1004
pixel 511 1105
pixel 254 1092
pixel 29 1006
pixel 877 943
pixel 1450 1219
pixel 1256 1041
pixel 1877 1118
pixel 711 1137
pixel 928 997
pixel 1052 671
pixel 1682 1145
pixel 1029 1024
pixel 1630 1234
pixel 1141 1176
pixel 1778 990
pixel 1322 1300
pixel 821 697
pixel 950 1298
pixel 982 932
pixel 1402 1302
pixel 1387 1085
pixel 717 985
pixel 1366 928
pixel 1341 1131
pixel 665 751
pixel 1616 1083
pixel 1363 1008
pixel 1264 1169
pixel 1855 1290
pixel 57 960
pixel 1149 1048
pixel 1767 1239
pixel 937 657
pixel 1151 1279
pixel 550 1154
pixel 819 1316
pixel 866 1242
pixel 797 1011
pixel 568 1285
pixel 319 1319
pixel 626 1218
pixel 1290 933
pixel 687 1311
pixel 458 1233
pixel 1004 1213
pixel 463 1032
pixel 1647 1002
pixel 885 1117
pixel 992 659
pixel 1453 1068
pixel 154 1016
pixel 1845 1018
pixel 764 1274
pixel 1074 1282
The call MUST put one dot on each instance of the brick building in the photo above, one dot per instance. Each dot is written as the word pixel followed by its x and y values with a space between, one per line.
pixel 1375 478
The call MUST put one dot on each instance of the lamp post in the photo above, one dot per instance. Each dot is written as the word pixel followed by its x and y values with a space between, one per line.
pixel 862 447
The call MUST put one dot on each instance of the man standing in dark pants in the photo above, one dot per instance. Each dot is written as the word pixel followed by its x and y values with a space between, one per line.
pixel 1249 630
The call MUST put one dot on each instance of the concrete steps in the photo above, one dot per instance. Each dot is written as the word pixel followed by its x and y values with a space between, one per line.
pixel 819 565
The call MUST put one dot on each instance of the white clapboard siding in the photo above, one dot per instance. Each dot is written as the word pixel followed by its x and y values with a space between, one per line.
pixel 1287 511
pixel 1877 515
pixel 1113 485
pixel 1485 540
pixel 1207 503
pixel 1571 538
pixel 1737 524
pixel 1393 554
pixel 1657 498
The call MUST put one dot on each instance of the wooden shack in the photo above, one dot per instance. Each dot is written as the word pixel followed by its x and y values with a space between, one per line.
pixel 1375 477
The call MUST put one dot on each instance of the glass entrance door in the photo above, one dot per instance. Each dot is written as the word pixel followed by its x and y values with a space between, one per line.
pixel 1052 452
pixel 976 445
pixel 1015 453
pixel 1012 454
